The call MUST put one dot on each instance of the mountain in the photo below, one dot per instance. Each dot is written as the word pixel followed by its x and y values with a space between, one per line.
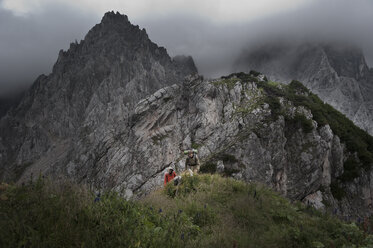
pixel 337 72
pixel 7 102
pixel 92 90
pixel 117 111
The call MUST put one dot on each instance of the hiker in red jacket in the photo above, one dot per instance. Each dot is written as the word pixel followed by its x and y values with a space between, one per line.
pixel 169 176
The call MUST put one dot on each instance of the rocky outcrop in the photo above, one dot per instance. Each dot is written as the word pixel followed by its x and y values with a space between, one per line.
pixel 93 88
pixel 336 72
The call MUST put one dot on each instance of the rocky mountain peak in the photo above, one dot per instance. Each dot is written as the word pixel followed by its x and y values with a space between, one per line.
pixel 117 23
pixel 112 17
pixel 114 37
pixel 93 88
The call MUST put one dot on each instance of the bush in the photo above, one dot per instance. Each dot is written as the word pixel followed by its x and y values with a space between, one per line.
pixel 188 185
pixel 227 158
pixel 254 73
pixel 337 192
pixel 351 170
pixel 208 167
pixel 300 121
pixel 229 171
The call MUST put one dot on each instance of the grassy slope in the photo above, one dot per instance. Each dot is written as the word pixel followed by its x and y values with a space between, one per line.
pixel 207 211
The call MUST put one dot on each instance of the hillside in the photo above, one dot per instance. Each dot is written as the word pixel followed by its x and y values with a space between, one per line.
pixel 117 110
pixel 207 211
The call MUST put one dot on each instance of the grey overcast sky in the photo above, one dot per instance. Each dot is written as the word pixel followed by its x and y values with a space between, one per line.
pixel 214 32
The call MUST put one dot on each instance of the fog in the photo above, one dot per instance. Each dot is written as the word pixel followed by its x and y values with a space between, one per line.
pixel 29 44
pixel 215 47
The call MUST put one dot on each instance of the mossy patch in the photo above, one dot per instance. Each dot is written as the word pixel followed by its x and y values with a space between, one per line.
pixel 229 82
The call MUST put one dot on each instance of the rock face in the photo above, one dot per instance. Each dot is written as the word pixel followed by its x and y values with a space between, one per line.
pixel 336 72
pixel 233 128
pixel 92 89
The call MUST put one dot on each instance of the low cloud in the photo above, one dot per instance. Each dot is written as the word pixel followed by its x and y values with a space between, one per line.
pixel 30 43
pixel 216 47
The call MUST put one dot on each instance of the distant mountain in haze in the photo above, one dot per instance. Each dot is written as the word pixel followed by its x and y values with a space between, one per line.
pixel 337 72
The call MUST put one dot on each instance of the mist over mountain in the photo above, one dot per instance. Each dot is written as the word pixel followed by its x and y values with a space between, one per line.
pixel 30 41
pixel 336 71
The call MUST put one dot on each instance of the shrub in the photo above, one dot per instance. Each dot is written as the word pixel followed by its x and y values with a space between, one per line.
pixel 227 158
pixel 337 192
pixel 254 73
pixel 303 122
pixel 229 171
pixel 351 170
pixel 208 167
pixel 189 184
pixel 196 146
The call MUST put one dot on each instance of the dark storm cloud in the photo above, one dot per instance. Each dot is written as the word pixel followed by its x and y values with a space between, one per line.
pixel 215 46
pixel 29 44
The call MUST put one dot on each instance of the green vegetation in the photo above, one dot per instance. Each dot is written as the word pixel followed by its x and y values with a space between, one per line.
pixel 230 213
pixel 351 170
pixel 229 82
pixel 357 140
pixel 208 167
pixel 196 146
pixel 299 120
pixel 251 77
pixel 337 192
pixel 203 211
pixel 65 215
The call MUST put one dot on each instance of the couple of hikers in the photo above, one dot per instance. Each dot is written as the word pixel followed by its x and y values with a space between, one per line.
pixel 191 163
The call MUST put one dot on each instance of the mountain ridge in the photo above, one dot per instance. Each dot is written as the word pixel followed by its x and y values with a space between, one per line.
pixel 117 111
pixel 337 72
